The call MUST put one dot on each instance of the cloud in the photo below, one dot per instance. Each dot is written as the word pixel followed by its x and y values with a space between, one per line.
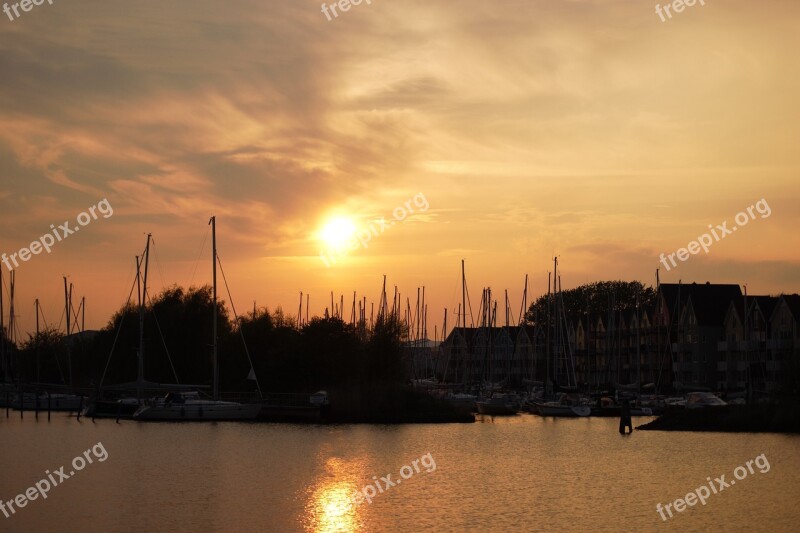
pixel 533 127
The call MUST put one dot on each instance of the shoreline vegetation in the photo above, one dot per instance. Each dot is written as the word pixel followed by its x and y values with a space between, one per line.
pixel 764 418
pixel 360 365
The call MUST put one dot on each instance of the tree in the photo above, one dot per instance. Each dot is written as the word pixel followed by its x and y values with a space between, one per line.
pixel 384 352
pixel 595 297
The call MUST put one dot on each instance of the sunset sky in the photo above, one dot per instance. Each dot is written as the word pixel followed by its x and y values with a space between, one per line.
pixel 588 129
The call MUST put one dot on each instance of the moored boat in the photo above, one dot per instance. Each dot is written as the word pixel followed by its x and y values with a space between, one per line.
pixel 697 400
pixel 567 405
pixel 498 405
pixel 191 406
pixel 42 401
pixel 558 409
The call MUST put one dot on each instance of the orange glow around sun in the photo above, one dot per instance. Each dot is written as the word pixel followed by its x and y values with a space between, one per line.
pixel 337 232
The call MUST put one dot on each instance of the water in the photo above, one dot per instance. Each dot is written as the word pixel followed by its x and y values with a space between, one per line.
pixel 505 474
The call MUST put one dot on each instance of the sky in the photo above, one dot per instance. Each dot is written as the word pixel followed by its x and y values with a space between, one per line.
pixel 515 130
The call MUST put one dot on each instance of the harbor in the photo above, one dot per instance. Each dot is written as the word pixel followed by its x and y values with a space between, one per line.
pixel 374 266
pixel 501 473
pixel 651 351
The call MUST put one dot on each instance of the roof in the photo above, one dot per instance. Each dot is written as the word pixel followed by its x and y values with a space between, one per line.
pixel 767 304
pixel 710 301
pixel 793 302
pixel 471 333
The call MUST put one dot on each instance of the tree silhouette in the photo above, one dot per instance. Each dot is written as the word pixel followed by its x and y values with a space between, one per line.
pixel 595 297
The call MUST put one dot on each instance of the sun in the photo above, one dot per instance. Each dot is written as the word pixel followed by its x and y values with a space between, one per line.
pixel 337 232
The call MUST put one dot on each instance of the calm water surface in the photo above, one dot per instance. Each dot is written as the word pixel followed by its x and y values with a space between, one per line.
pixel 505 474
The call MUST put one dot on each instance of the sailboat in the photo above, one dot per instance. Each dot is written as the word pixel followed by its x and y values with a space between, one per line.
pixel 462 402
pixel 55 401
pixel 499 404
pixel 126 405
pixel 566 405
pixel 26 399
pixel 496 403
pixel 7 388
pixel 191 405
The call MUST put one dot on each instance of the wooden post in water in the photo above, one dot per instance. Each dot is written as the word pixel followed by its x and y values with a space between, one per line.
pixel 625 418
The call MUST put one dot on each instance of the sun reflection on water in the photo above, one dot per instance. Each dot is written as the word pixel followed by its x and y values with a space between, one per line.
pixel 330 507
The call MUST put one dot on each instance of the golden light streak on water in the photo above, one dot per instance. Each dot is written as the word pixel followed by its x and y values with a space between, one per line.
pixel 330 508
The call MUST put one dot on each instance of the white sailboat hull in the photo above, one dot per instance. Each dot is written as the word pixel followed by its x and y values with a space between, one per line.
pixel 210 410
pixel 548 409
pixel 497 405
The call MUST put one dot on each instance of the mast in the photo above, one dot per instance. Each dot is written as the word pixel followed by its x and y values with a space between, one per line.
pixel 38 340
pixel 506 308
pixel 144 296
pixel 588 337
pixel 140 366
pixel 444 336
pixel 11 283
pixel 67 305
pixel 657 316
pixel 3 360
pixel 486 323
pixel 748 385
pixel 556 322
pixel 638 346
pixel 141 287
pixel 71 309
pixel 409 322
pixel 464 323
pixel 424 317
pixel 557 330
pixel 547 386
pixel 213 223
pixel 492 309
pixel 299 312
pixel 418 320
pixel 382 305
pixel 12 277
